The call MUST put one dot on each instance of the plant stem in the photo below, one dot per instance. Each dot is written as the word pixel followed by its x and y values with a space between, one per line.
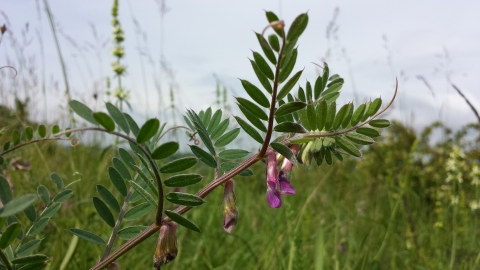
pixel 5 260
pixel 113 236
pixel 139 238
pixel 273 102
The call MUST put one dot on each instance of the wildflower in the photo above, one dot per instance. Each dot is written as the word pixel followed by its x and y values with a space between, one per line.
pixel 287 165
pixel 166 249
pixel 230 211
pixel 275 187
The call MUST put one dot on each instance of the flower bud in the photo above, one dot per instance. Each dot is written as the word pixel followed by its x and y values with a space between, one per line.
pixel 113 266
pixel 230 211
pixel 166 249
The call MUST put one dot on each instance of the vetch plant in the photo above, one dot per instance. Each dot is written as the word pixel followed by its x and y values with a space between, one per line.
pixel 291 128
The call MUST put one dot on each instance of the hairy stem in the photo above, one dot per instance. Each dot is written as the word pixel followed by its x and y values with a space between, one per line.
pixel 5 260
pixel 273 102
pixel 113 236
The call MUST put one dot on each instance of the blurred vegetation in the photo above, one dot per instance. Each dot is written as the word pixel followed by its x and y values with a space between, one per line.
pixel 411 202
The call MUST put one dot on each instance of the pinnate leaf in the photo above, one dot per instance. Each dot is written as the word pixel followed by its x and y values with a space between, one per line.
pixel 182 221
pixel 165 150
pixel 291 107
pixel 148 130
pixel 103 211
pixel 178 165
pixel 186 199
pixel 255 93
pixel 83 111
pixel 182 180
pixel 249 130
pixel 86 235
pixel 289 127
pixel 203 156
pixel 104 120
pixel 17 205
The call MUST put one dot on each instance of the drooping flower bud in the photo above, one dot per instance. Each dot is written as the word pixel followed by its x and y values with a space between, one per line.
pixel 230 211
pixel 273 196
pixel 166 249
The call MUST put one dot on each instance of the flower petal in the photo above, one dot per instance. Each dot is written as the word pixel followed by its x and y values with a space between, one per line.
pixel 286 188
pixel 274 198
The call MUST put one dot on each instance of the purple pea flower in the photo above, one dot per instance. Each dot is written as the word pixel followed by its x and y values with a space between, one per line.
pixel 166 249
pixel 276 186
pixel 230 211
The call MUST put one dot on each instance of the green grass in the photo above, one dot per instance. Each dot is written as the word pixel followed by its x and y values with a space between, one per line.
pixel 378 212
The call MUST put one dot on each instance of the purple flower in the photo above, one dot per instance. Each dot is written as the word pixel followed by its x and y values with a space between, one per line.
pixel 230 211
pixel 166 249
pixel 276 186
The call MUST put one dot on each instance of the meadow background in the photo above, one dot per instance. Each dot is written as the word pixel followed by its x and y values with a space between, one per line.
pixel 411 202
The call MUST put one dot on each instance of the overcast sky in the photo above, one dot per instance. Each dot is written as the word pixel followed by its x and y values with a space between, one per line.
pixel 374 42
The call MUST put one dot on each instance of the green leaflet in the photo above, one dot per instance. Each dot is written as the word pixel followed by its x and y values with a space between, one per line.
pixel 227 137
pixel 263 65
pixel 289 85
pixel 117 181
pixel 253 108
pixel 57 180
pixel 357 115
pixel 266 49
pixel 274 42
pixel 103 211
pixel 108 197
pixel 252 118
pixel 289 127
pixel 17 205
pixel 132 124
pixel 330 116
pixel 339 117
pixel 118 117
pixel 249 130
pixel 217 116
pixel 220 129
pixel 374 107
pixel 255 93
pixel 128 233
pixel 121 168
pixel 232 154
pixel 178 165
pixel 298 26
pixel 318 88
pixel 321 115
pixel 202 131
pixel 83 111
pixel 284 151
pixel 182 221
pixel 359 138
pixel 165 150
pixel 379 123
pixel 127 158
pixel 186 199
pixel 287 65
pixel 348 116
pixel 91 237
pixel 148 130
pixel 311 115
pixel 104 120
pixel 370 132
pixel 138 211
pixel 42 131
pixel 347 146
pixel 203 156
pixel 182 180
pixel 261 77
pixel 289 108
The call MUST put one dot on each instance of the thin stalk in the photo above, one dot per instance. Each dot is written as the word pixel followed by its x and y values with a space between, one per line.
pixel 387 234
pixel 59 51
pixel 113 236
pixel 454 227
pixel 139 238
pixel 273 102
pixel 5 260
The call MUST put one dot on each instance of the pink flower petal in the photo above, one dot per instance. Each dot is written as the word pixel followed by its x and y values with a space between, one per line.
pixel 286 188
pixel 274 198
